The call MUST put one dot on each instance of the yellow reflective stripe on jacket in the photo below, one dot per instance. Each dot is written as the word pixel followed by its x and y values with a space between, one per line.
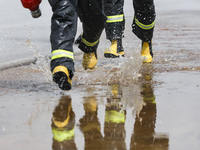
pixel 143 26
pixel 116 18
pixel 61 53
pixel 88 43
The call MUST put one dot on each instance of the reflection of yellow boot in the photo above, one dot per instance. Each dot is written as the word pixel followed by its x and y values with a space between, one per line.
pixel 89 60
pixel 146 52
pixel 61 77
pixel 63 121
pixel 115 50
pixel 89 123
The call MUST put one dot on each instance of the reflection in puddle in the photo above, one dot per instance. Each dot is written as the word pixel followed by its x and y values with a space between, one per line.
pixel 118 101
pixel 89 124
pixel 63 123
pixel 114 125
pixel 144 136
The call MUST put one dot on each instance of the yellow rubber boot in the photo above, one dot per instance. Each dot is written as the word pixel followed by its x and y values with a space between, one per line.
pixel 147 56
pixel 89 60
pixel 61 77
pixel 112 52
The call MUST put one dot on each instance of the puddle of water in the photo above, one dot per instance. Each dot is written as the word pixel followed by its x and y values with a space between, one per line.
pixel 137 109
pixel 178 108
pixel 121 116
pixel 157 111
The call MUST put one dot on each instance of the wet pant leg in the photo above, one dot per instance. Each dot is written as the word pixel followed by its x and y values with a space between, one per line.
pixel 63 31
pixel 144 19
pixel 115 23
pixel 93 19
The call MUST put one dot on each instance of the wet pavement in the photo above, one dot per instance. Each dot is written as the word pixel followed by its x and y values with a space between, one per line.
pixel 123 104
pixel 158 111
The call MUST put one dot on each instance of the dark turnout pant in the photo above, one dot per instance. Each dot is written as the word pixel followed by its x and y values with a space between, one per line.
pixel 64 27
pixel 143 21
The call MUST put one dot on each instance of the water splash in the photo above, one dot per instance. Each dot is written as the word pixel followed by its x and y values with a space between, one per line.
pixel 132 98
pixel 124 70
pixel 42 63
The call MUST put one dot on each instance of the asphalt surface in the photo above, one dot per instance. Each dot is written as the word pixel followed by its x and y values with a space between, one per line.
pixel 123 104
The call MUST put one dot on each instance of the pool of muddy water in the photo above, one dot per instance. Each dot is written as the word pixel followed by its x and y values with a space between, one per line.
pixel 156 111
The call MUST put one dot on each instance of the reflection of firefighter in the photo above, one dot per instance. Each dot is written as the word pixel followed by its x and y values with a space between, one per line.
pixel 144 136
pixel 114 122
pixel 63 123
pixel 90 125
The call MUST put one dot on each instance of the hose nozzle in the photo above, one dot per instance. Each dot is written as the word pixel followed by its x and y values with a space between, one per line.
pixel 36 13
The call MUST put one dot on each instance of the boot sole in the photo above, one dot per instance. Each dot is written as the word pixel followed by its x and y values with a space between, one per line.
pixel 62 80
pixel 107 55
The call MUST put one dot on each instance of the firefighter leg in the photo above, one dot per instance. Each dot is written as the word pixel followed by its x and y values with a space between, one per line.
pixel 93 19
pixel 63 30
pixel 143 26
pixel 114 28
